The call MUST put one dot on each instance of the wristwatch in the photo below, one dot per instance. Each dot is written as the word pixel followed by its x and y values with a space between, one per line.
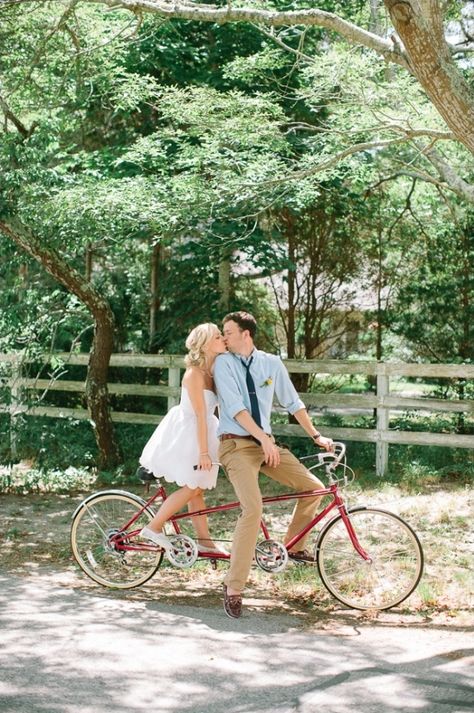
pixel 316 436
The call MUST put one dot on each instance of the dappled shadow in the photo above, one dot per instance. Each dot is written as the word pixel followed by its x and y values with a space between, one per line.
pixel 65 650
pixel 320 612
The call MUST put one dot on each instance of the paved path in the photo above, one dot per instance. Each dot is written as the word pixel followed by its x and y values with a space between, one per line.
pixel 68 650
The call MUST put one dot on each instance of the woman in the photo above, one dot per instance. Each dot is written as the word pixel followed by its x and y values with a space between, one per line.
pixel 186 437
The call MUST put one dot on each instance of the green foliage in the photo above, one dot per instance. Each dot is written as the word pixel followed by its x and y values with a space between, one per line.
pixel 55 443
pixel 435 308
pixel 207 141
pixel 23 482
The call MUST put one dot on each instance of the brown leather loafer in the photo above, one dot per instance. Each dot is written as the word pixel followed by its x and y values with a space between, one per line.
pixel 301 556
pixel 232 604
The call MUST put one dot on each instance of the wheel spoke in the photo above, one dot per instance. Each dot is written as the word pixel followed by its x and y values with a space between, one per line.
pixel 94 541
pixel 394 567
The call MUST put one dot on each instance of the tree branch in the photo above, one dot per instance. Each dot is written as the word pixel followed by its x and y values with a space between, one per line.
pixel 221 15
pixel 457 184
pixel 56 27
pixel 333 160
pixel 276 38
pixel 409 173
pixel 20 127
pixel 399 128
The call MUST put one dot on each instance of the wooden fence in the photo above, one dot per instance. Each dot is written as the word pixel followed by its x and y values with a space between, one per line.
pixel 382 401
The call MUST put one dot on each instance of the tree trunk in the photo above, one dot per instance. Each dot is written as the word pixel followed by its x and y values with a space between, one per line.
pixel 465 349
pixel 379 287
pixel 224 280
pixel 299 380
pixel 419 24
pixel 291 275
pixel 89 261
pixel 102 346
pixel 96 386
pixel 374 21
pixel 154 295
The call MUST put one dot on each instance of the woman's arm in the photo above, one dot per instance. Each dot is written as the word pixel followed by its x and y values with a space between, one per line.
pixel 193 380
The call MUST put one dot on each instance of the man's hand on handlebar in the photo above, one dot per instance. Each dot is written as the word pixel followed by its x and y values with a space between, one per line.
pixel 326 443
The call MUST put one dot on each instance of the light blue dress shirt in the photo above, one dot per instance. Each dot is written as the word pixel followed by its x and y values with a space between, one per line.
pixel 270 377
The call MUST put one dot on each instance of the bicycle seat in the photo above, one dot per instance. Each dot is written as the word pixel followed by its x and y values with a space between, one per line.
pixel 145 475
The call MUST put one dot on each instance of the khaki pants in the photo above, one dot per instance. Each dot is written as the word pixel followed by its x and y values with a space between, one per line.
pixel 243 460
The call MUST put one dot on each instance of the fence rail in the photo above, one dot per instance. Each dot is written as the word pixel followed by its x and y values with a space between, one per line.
pixel 382 402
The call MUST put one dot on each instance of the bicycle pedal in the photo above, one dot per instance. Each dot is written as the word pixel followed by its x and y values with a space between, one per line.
pixel 301 558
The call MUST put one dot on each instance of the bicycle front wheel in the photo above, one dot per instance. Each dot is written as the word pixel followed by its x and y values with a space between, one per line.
pixel 99 541
pixel 392 571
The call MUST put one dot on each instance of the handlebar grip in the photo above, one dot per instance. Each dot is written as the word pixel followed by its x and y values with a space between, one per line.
pixel 338 453
pixel 213 462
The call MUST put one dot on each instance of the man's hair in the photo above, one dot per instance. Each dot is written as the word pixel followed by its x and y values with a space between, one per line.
pixel 245 320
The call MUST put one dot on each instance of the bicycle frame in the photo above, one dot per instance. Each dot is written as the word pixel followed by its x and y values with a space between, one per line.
pixel 337 502
pixel 378 575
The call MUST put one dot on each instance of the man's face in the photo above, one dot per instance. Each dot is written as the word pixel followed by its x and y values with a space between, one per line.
pixel 234 337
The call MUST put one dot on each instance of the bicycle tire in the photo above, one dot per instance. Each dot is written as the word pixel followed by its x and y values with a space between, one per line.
pixel 95 524
pixel 396 562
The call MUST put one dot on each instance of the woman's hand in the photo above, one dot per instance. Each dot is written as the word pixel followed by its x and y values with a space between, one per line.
pixel 205 462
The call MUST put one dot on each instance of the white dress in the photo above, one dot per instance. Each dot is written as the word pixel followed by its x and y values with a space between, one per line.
pixel 173 449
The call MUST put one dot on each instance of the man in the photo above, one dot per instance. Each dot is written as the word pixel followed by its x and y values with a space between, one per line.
pixel 246 380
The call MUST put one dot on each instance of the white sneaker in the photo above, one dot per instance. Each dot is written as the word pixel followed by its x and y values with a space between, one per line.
pixel 159 538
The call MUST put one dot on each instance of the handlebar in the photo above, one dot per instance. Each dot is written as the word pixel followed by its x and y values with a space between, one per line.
pixel 338 453
pixel 328 458
pixel 334 457
pixel 331 461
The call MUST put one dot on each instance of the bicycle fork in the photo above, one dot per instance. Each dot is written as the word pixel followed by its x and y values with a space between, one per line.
pixel 345 515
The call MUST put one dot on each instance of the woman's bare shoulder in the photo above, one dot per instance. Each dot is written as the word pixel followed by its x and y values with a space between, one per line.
pixel 193 376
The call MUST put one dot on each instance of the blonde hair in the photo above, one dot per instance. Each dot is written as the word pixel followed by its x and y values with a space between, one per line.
pixel 196 341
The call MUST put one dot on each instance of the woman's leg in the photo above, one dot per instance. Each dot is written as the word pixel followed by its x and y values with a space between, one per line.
pixel 200 521
pixel 170 506
pixel 193 497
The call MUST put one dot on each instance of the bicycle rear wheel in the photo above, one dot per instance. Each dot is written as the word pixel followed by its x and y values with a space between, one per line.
pixel 97 539
pixel 391 574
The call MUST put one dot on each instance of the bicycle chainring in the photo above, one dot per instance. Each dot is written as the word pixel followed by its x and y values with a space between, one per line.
pixel 271 556
pixel 184 553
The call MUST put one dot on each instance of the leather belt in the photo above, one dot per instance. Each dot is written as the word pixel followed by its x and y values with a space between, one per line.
pixel 226 436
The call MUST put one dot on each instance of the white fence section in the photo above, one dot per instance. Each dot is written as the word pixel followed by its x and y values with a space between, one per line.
pixel 382 401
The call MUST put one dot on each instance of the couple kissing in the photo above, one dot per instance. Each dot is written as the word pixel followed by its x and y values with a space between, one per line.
pixel 226 370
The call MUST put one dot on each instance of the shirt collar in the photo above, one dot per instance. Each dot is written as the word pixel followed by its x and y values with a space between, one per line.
pixel 246 360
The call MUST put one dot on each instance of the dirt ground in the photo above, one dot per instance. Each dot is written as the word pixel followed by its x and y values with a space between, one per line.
pixel 35 539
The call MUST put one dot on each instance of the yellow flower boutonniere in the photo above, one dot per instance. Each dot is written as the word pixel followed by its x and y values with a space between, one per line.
pixel 267 382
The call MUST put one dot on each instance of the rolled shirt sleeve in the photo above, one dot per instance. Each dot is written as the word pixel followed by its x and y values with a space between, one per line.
pixel 285 391
pixel 230 396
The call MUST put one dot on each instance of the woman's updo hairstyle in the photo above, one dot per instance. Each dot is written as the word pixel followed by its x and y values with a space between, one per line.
pixel 196 341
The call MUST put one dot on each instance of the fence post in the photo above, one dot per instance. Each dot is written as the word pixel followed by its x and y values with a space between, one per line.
pixel 383 389
pixel 174 376
pixel 15 401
